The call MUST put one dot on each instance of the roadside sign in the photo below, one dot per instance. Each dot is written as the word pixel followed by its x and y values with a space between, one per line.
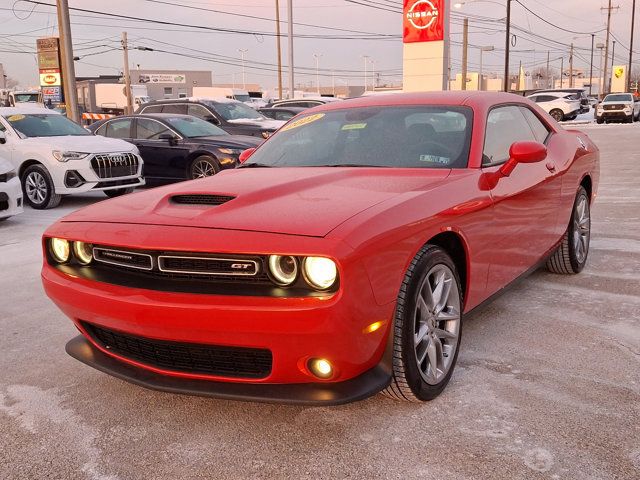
pixel 423 21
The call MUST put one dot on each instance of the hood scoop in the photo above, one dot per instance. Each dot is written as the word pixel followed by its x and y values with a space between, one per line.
pixel 201 199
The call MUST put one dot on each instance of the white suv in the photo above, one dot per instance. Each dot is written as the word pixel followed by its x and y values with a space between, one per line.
pixel 55 156
pixel 618 106
pixel 560 105
pixel 10 192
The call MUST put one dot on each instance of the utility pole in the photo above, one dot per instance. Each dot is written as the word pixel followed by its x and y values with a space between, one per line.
pixel 507 43
pixel 613 61
pixel 68 69
pixel 593 39
pixel 488 48
pixel 317 57
pixel 127 77
pixel 279 48
pixel 366 77
pixel 561 71
pixel 333 82
pixel 244 79
pixel 633 19
pixel 600 46
pixel 571 67
pixel 548 71
pixel 606 50
pixel 290 19
pixel 465 46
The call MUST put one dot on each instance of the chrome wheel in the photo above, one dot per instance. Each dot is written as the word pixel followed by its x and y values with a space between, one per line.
pixel 203 168
pixel 437 324
pixel 36 187
pixel 581 229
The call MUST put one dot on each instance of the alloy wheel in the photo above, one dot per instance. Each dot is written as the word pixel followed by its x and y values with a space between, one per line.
pixel 203 168
pixel 437 324
pixel 36 187
pixel 581 229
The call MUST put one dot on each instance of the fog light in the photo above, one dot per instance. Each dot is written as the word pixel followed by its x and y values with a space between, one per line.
pixel 283 269
pixel 59 248
pixel 83 252
pixel 320 367
pixel 320 272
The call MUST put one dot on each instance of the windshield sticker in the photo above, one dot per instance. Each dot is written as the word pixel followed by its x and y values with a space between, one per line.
pixel 302 121
pixel 435 159
pixel 16 118
pixel 354 126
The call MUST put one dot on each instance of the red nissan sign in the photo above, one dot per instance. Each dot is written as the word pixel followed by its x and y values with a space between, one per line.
pixel 423 21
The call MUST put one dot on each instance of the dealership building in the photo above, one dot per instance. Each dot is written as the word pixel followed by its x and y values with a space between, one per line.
pixel 171 83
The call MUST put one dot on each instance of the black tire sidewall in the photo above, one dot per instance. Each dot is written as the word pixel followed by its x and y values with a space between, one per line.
pixel 208 158
pixel 575 265
pixel 559 114
pixel 47 179
pixel 419 387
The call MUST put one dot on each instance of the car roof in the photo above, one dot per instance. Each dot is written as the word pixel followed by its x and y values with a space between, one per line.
pixel 284 107
pixel 26 109
pixel 192 100
pixel 474 99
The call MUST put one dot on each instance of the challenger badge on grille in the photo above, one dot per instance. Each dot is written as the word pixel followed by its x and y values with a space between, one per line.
pixel 140 261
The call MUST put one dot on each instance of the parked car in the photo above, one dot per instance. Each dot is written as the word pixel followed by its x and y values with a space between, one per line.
pixel 55 156
pixel 177 147
pixel 10 191
pixel 230 115
pixel 619 107
pixel 578 94
pixel 281 113
pixel 307 102
pixel 560 105
pixel 337 261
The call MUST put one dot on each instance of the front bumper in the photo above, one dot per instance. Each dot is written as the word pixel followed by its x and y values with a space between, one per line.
pixel 10 198
pixel 614 115
pixel 359 388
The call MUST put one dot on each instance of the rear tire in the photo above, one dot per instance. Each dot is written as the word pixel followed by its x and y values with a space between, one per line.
pixel 573 251
pixel 557 114
pixel 118 192
pixel 427 327
pixel 600 121
pixel 38 188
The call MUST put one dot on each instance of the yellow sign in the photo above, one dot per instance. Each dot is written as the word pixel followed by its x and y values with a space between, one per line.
pixel 618 72
pixel 302 121
pixel 16 118
pixel 50 79
pixel 354 126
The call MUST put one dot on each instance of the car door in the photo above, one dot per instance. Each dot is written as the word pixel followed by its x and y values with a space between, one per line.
pixel 526 203
pixel 163 159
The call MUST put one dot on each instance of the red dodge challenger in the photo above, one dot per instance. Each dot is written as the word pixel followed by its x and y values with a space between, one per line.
pixel 337 261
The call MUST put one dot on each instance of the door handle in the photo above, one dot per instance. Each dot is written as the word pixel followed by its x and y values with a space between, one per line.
pixel 551 167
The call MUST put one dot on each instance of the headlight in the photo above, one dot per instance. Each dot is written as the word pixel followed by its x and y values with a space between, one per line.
pixel 62 156
pixel 231 151
pixel 283 269
pixel 59 249
pixel 320 272
pixel 83 252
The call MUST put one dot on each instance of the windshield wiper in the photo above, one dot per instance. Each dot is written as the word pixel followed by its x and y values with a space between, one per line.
pixel 254 165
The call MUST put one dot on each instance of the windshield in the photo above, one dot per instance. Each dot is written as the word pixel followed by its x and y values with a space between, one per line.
pixel 44 125
pixel 625 97
pixel 192 127
pixel 402 137
pixel 242 98
pixel 236 111
pixel 26 97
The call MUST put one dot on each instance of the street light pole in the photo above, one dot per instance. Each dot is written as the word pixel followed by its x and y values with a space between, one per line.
pixel 244 80
pixel 127 77
pixel 593 39
pixel 366 61
pixel 290 19
pixel 633 19
pixel 488 48
pixel 507 44
pixel 279 48
pixel 606 51
pixel 465 46
pixel 68 68
pixel 317 57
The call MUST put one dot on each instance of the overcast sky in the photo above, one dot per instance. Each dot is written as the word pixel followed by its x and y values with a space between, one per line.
pixel 94 36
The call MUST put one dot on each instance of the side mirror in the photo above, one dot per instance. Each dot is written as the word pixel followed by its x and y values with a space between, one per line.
pixel 169 137
pixel 3 138
pixel 244 156
pixel 523 152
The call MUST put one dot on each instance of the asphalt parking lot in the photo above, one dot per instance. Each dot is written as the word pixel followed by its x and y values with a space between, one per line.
pixel 547 384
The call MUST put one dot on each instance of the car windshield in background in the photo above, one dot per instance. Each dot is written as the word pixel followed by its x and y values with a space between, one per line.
pixel 44 125
pixel 242 98
pixel 624 97
pixel 26 97
pixel 231 111
pixel 192 127
pixel 402 137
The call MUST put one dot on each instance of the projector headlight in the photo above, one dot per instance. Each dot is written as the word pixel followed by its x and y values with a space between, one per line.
pixel 83 252
pixel 320 272
pixel 59 249
pixel 283 269
pixel 63 156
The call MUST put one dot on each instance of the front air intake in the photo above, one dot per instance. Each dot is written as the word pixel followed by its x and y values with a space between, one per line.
pixel 201 199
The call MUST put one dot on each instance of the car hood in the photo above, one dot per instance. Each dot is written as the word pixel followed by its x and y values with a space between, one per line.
pixel 232 141
pixel 267 124
pixel 84 143
pixel 307 201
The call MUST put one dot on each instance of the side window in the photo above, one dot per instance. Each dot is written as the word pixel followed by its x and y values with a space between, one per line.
pixel 540 130
pixel 535 98
pixel 505 126
pixel 179 108
pixel 198 111
pixel 101 130
pixel 118 128
pixel 283 115
pixel 150 129
pixel 152 109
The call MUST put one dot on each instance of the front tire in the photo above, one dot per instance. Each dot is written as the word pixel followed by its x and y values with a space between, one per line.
pixel 118 192
pixel 38 188
pixel 203 166
pixel 557 114
pixel 573 251
pixel 427 328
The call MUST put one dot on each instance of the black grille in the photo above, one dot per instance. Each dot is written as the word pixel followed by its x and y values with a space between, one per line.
pixel 201 199
pixel 614 107
pixel 115 165
pixel 239 362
